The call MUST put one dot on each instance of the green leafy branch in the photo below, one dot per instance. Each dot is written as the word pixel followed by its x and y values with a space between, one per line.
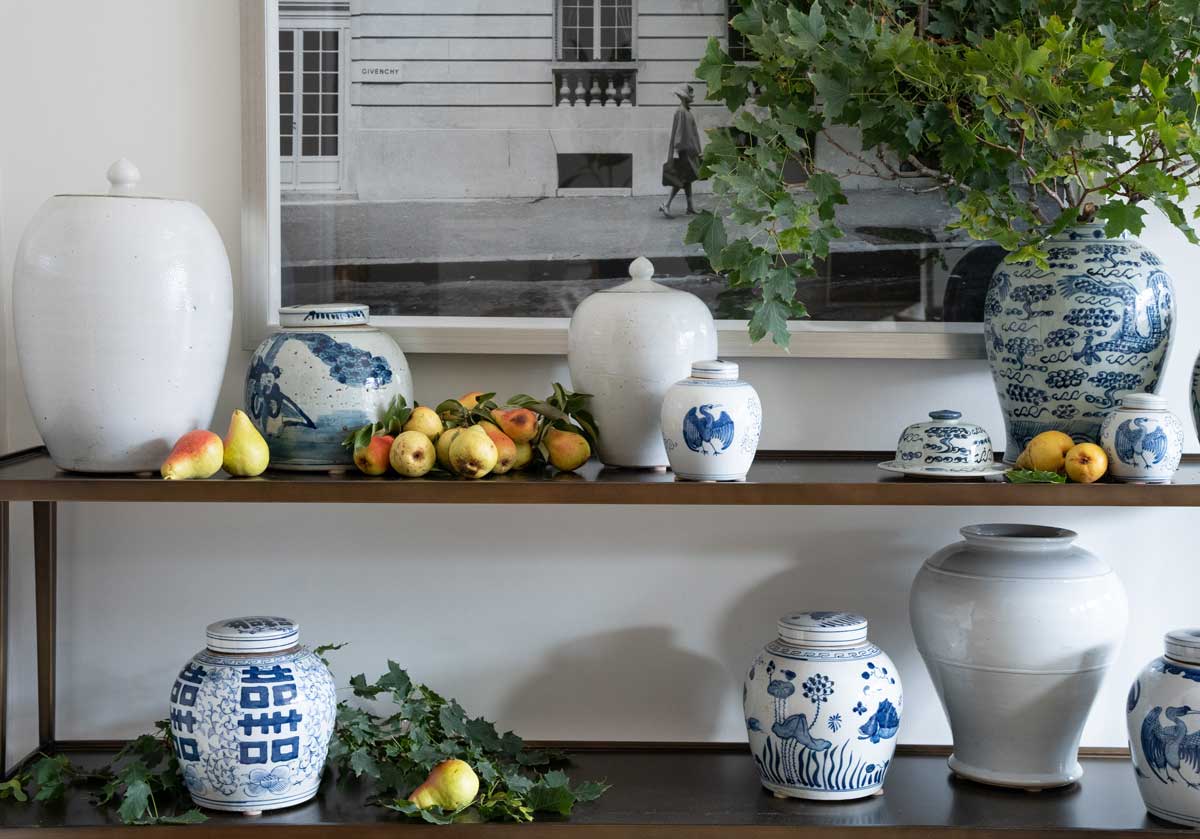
pixel 391 422
pixel 563 410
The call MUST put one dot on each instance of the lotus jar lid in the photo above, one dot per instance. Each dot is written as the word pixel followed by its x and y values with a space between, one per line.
pixel 256 634
pixel 1144 402
pixel 325 315
pixel 823 628
pixel 715 370
pixel 1183 645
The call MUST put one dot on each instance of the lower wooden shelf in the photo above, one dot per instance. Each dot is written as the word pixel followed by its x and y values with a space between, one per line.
pixel 705 792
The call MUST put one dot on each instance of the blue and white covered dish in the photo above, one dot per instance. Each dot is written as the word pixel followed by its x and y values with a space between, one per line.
pixel 945 446
pixel 823 707
pixel 251 717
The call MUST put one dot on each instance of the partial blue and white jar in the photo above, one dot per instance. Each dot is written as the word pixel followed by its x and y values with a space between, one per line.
pixel 1143 440
pixel 251 717
pixel 711 422
pixel 324 374
pixel 823 707
pixel 1064 341
pixel 946 443
pixel 1162 714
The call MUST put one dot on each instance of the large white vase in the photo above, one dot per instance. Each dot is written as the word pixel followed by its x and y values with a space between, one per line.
pixel 122 308
pixel 1017 626
pixel 626 346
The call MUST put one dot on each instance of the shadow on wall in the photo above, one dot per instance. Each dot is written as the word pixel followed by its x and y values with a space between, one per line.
pixel 635 681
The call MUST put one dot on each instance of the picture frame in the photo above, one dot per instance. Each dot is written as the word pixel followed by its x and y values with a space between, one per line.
pixel 262 263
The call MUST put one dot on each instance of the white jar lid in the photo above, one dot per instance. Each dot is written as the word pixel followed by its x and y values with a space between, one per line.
pixel 255 634
pixel 716 369
pixel 1183 645
pixel 823 628
pixel 1144 402
pixel 325 315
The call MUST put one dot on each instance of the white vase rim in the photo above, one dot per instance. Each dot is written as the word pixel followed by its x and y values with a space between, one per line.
pixel 1018 536
pixel 252 634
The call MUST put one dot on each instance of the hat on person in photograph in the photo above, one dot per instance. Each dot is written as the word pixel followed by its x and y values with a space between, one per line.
pixel 685 91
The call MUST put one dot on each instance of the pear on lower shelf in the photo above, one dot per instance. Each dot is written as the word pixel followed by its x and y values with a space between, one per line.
pixel 451 785
pixel 246 452
pixel 197 454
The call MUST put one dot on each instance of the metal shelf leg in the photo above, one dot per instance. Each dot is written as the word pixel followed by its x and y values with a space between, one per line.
pixel 45 555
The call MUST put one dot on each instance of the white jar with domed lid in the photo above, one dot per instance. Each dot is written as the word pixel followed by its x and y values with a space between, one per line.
pixel 711 422
pixel 1143 439
pixel 122 313
pixel 822 706
pixel 626 346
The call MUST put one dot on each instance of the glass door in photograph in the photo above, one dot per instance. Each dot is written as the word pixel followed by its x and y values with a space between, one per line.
pixel 310 124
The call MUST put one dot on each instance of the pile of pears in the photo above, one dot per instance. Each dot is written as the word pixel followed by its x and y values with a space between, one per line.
pixel 201 454
pixel 470 437
pixel 1054 451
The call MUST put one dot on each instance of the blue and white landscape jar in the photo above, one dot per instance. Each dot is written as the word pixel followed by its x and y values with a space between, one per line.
pixel 822 706
pixel 711 422
pixel 1143 440
pixel 946 443
pixel 1064 341
pixel 324 374
pixel 251 717
pixel 1162 714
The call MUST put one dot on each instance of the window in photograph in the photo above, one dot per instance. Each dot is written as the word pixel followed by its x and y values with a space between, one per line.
pixel 738 50
pixel 595 30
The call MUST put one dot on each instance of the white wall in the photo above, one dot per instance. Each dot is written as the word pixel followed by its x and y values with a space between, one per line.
pixel 562 622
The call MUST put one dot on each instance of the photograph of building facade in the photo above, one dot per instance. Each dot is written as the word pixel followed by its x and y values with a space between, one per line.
pixel 516 148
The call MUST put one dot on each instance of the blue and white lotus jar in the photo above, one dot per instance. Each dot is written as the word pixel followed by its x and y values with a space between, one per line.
pixel 822 707
pixel 324 374
pixel 1162 714
pixel 1065 340
pixel 711 422
pixel 1143 440
pixel 251 717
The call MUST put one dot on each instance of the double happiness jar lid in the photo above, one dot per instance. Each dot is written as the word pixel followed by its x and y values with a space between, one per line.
pixel 256 634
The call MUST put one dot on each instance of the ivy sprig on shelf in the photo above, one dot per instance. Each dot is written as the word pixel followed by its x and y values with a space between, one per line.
pixel 395 750
pixel 144 781
pixel 454 414
pixel 391 422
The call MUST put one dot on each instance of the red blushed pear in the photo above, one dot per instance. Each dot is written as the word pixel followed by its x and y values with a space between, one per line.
pixel 197 454
pixel 567 450
pixel 520 424
pixel 506 449
pixel 372 459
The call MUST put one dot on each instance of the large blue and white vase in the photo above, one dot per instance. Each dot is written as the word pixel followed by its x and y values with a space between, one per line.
pixel 822 706
pixel 251 717
pixel 1162 714
pixel 325 373
pixel 711 423
pixel 1066 341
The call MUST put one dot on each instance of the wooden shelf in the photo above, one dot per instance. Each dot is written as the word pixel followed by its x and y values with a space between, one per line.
pixel 705 792
pixel 780 478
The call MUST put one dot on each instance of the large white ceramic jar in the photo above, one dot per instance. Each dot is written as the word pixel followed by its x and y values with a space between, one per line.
pixel 251 717
pixel 1143 440
pixel 122 312
pixel 625 347
pixel 711 422
pixel 325 373
pixel 1163 717
pixel 1017 626
pixel 822 706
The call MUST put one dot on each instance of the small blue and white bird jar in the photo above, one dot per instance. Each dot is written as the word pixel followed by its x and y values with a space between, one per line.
pixel 1162 714
pixel 822 707
pixel 251 717
pixel 711 422
pixel 1143 440
pixel 325 373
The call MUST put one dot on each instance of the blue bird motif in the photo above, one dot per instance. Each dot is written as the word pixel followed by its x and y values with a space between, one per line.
pixel 1167 747
pixel 701 429
pixel 1131 441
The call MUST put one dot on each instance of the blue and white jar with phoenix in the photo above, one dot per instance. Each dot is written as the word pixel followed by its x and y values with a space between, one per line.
pixel 1143 440
pixel 711 422
pixel 251 717
pixel 1065 341
pixel 325 373
pixel 823 707
pixel 1162 714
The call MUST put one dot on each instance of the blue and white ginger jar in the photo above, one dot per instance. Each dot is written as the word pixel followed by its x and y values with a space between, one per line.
pixel 947 444
pixel 251 717
pixel 711 422
pixel 1066 341
pixel 1162 714
pixel 1143 440
pixel 823 707
pixel 324 374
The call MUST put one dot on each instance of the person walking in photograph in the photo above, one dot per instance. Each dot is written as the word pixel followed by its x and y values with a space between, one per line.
pixel 682 168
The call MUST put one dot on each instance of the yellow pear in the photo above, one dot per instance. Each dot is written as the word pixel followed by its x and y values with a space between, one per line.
pixel 451 785
pixel 473 454
pixel 443 445
pixel 524 456
pixel 1086 463
pixel 426 421
pixel 1048 450
pixel 197 454
pixel 412 454
pixel 246 452
pixel 470 400
pixel 568 450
